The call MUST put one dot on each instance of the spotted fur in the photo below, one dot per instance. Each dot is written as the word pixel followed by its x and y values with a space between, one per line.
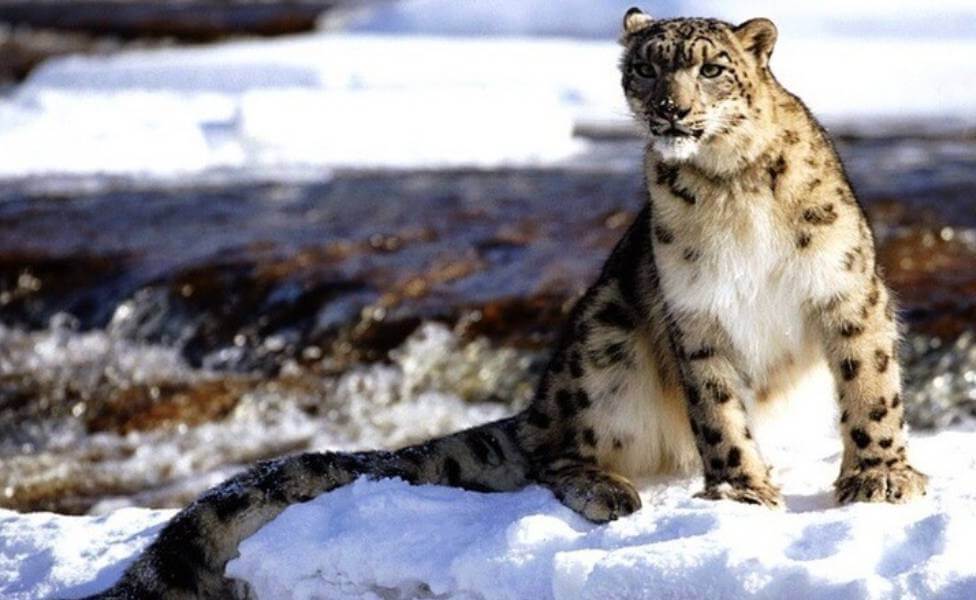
pixel 751 264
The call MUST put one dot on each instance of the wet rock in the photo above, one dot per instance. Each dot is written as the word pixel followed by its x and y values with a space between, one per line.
pixel 941 381
pixel 245 277
pixel 141 408
pixel 36 287
pixel 220 272
pixel 23 48
pixel 933 272
pixel 191 20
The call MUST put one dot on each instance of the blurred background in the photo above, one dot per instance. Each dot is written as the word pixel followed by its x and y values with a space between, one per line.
pixel 231 229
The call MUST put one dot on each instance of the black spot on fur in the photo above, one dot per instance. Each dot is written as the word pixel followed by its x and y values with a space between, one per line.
pixel 479 449
pixel 820 215
pixel 663 234
pixel 885 443
pixel 693 395
pixel 735 457
pixel 776 170
pixel 615 352
pixel 870 463
pixel 617 444
pixel 873 297
pixel 843 417
pixel 717 464
pixel 803 240
pixel 557 364
pixel 567 408
pixel 589 437
pixel 684 194
pixel 615 315
pixel 537 418
pixel 413 455
pixel 576 364
pixel 569 439
pixel 860 438
pixel 703 353
pixel 850 329
pixel 741 481
pixel 485 447
pixel 271 482
pixel 877 414
pixel 666 174
pixel 719 392
pixel 889 311
pixel 582 399
pixel 712 437
pixel 691 254
pixel 452 471
pixel 892 462
pixel 544 384
pixel 228 503
pixel 317 463
pixel 881 359
pixel 896 401
pixel 849 368
pixel 849 258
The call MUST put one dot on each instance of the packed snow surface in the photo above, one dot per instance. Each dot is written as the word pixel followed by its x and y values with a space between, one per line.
pixel 43 555
pixel 387 539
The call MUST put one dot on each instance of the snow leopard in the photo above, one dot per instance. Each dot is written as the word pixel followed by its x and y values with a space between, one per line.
pixel 750 264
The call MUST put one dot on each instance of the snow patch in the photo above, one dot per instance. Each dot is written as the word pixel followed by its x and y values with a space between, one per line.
pixel 418 541
pixel 43 555
pixel 322 101
pixel 387 539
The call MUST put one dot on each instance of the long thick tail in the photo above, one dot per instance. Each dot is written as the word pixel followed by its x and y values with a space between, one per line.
pixel 187 559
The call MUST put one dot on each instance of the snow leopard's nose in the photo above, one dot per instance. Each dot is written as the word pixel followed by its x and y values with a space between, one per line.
pixel 668 109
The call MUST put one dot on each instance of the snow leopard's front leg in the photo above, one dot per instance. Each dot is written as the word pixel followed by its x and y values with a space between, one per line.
pixel 734 469
pixel 862 345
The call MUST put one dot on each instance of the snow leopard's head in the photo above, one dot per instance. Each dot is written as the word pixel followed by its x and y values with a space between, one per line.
pixel 698 86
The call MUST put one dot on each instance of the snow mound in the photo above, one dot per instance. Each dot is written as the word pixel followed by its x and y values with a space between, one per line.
pixel 43 555
pixel 387 539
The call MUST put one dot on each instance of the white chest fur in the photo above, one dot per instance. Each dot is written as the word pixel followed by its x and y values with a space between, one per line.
pixel 734 260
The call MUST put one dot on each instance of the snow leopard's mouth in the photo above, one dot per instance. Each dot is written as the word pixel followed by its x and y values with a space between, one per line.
pixel 672 129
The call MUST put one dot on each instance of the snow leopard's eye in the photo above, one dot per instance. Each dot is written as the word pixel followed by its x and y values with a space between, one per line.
pixel 645 70
pixel 711 71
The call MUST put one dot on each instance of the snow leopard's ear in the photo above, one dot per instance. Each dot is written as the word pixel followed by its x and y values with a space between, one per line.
pixel 634 21
pixel 758 36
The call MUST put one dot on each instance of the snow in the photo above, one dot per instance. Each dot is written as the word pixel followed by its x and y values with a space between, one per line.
pixel 43 555
pixel 387 539
pixel 429 97
pixel 588 19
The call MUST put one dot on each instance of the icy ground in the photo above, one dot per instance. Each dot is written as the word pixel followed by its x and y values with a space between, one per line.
pixel 386 539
